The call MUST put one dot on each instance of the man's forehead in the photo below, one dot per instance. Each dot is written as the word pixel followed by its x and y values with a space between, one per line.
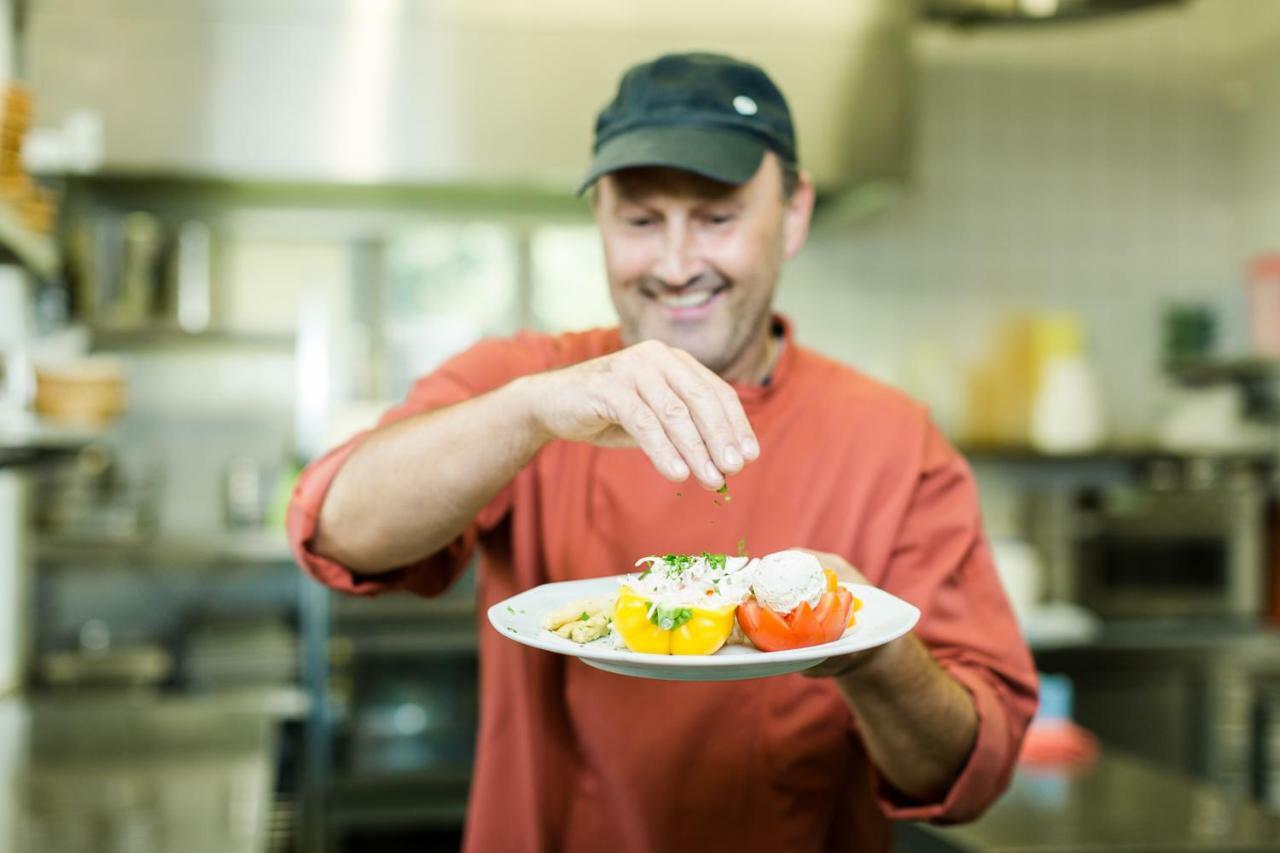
pixel 646 182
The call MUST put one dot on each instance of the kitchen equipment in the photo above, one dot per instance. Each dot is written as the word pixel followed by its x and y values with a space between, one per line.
pixel 1264 741
pixel 140 665
pixel 1185 540
pixel 140 270
pixel 883 617
pixel 99 497
pixel 129 774
pixel 976 13
pixel 414 717
pixel 249 490
pixel 99 662
pixel 402 692
pixel 15 598
pixel 224 651
pixel 1211 419
pixel 409 93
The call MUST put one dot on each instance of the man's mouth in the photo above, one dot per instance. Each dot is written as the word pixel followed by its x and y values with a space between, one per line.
pixel 688 300
pixel 686 304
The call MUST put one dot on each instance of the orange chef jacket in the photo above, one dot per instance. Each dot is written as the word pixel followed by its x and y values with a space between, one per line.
pixel 573 758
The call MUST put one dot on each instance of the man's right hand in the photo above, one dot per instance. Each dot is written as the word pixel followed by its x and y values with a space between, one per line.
pixel 655 397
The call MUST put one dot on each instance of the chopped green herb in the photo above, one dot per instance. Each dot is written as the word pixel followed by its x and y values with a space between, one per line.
pixel 645 573
pixel 742 547
pixel 723 490
pixel 670 618
pixel 715 561
pixel 677 563
pixel 510 609
pixel 584 617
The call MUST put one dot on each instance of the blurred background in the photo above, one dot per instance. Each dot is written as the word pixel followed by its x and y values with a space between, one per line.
pixel 233 231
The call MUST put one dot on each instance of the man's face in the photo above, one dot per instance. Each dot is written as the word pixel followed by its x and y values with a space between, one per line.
pixel 693 262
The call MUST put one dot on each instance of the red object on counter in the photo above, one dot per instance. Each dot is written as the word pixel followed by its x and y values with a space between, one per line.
pixel 1058 743
pixel 573 758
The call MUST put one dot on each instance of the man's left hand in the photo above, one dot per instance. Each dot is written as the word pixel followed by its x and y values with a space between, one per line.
pixel 843 664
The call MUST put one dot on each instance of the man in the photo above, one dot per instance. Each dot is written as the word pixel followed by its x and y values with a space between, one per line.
pixel 559 458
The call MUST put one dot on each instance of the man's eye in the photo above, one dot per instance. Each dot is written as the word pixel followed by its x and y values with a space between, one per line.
pixel 639 221
pixel 720 218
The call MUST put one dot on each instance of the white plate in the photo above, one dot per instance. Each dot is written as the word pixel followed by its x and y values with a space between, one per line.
pixel 883 617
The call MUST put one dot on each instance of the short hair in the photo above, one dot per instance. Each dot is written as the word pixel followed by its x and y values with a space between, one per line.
pixel 790 181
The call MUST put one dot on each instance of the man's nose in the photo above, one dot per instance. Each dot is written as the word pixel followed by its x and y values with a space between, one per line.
pixel 678 263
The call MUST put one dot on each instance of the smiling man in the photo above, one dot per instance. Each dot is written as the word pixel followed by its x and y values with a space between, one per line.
pixel 557 456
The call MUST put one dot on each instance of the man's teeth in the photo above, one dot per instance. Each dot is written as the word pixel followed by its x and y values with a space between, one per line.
pixel 687 300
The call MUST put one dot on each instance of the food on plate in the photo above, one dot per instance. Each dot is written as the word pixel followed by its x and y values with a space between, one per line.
pixel 794 602
pixel 689 604
pixel 681 604
pixel 581 621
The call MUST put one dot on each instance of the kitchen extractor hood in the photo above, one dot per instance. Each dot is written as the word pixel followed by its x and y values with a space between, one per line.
pixel 495 92
pixel 985 12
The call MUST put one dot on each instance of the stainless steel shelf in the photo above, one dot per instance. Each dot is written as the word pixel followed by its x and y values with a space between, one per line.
pixel 267 548
pixel 1115 453
pixel 27 440
pixel 421 642
pixel 423 798
pixel 169 337
pixel 1206 371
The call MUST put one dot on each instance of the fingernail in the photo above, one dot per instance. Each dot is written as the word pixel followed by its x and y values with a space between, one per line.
pixel 749 448
pixel 679 470
pixel 711 473
pixel 732 457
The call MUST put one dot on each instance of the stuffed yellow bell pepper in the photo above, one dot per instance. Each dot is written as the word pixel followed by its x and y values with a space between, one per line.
pixel 650 629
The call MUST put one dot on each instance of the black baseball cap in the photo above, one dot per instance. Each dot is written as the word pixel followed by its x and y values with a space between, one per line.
pixel 701 112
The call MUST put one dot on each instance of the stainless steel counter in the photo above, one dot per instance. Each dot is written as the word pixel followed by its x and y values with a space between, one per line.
pixel 134 774
pixel 1118 804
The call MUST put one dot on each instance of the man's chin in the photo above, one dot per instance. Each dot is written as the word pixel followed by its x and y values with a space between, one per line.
pixel 702 347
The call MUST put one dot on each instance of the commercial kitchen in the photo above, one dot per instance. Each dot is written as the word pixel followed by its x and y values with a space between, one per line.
pixel 233 235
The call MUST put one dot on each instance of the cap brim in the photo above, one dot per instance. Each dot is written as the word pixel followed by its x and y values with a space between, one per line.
pixel 731 158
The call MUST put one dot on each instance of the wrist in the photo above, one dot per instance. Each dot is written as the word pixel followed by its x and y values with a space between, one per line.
pixel 527 394
pixel 869 668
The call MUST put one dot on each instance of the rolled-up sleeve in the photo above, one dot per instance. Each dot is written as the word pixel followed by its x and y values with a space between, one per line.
pixel 942 563
pixel 481 368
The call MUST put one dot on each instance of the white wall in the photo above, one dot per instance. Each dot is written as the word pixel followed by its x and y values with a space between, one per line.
pixel 1260 156
pixel 1053 189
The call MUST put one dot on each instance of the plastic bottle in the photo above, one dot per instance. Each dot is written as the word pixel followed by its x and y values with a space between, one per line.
pixel 1066 410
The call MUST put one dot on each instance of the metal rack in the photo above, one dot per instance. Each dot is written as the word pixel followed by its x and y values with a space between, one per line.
pixel 350 647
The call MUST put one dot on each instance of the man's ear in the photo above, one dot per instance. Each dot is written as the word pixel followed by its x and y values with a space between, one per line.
pixel 797 215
